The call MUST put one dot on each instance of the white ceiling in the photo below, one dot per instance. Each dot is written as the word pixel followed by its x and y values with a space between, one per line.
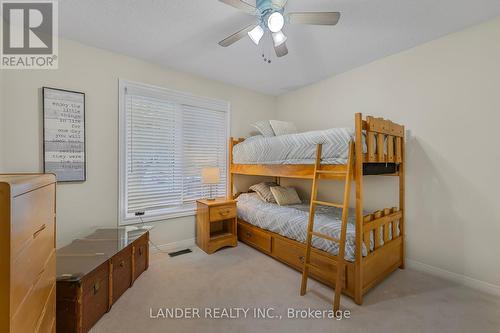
pixel 183 34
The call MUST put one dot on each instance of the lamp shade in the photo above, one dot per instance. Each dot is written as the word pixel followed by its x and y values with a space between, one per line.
pixel 210 175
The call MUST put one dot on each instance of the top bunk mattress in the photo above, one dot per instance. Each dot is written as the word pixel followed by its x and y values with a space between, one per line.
pixel 297 148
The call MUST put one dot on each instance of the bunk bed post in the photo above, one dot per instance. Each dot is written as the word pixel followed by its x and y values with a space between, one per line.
pixel 358 174
pixel 230 164
pixel 402 208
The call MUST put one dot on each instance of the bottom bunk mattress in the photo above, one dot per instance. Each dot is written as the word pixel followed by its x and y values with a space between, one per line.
pixel 291 222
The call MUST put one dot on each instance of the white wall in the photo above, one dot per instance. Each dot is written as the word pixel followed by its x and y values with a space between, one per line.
pixel 96 72
pixel 447 93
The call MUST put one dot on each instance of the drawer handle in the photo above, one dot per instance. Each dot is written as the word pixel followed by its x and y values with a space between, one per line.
pixel 248 234
pixel 42 228
pixel 224 212
pixel 301 259
pixel 122 263
pixel 140 251
pixel 96 287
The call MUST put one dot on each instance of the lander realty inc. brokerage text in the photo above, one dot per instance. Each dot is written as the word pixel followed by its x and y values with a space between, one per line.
pixel 245 312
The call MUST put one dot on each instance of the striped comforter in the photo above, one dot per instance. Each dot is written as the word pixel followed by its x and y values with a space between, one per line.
pixel 295 148
pixel 291 222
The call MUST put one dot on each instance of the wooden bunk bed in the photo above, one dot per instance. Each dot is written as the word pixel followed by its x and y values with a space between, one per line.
pixel 385 151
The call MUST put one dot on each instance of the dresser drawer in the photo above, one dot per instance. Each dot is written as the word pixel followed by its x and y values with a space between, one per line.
pixel 31 213
pixel 254 237
pixel 30 264
pixel 122 273
pixel 28 314
pixel 48 320
pixel 95 297
pixel 223 212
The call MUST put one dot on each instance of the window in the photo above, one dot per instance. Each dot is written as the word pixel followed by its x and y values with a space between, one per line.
pixel 166 138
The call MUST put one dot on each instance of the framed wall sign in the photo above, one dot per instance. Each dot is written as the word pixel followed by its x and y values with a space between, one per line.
pixel 64 134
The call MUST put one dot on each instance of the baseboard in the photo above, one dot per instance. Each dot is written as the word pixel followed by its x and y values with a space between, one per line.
pixel 455 277
pixel 174 246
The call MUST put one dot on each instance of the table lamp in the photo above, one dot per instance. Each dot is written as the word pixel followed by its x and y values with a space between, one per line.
pixel 210 176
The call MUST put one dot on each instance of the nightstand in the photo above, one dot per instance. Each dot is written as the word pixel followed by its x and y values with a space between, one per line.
pixel 216 224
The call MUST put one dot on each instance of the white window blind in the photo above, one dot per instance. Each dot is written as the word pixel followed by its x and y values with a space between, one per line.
pixel 166 138
pixel 204 145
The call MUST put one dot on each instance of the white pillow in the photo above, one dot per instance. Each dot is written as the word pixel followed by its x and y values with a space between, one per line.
pixel 264 127
pixel 254 137
pixel 282 127
pixel 263 190
pixel 285 195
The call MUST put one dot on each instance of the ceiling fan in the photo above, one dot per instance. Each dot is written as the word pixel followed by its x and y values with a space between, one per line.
pixel 271 17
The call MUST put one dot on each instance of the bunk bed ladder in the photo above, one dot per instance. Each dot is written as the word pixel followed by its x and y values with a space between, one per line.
pixel 347 175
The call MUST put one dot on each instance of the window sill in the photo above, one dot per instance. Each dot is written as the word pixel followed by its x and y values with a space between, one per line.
pixel 163 217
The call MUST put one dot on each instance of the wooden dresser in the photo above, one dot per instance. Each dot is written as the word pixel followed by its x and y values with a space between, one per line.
pixel 27 248
pixel 94 271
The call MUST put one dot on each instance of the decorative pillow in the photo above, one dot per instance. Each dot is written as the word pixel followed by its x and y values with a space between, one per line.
pixel 285 195
pixel 282 127
pixel 254 137
pixel 264 127
pixel 263 190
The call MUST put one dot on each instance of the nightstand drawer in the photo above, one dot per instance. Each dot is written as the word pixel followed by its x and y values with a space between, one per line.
pixel 223 212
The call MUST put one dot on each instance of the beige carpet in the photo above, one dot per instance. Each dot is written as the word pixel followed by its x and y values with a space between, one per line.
pixel 408 301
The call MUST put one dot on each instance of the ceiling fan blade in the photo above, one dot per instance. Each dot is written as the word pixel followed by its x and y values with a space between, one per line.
pixel 316 18
pixel 241 5
pixel 281 50
pixel 236 36
pixel 280 3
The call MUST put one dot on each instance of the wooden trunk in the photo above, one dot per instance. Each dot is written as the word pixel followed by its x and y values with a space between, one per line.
pixel 83 300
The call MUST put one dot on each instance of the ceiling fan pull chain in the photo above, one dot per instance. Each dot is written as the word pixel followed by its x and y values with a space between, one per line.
pixel 266 60
pixel 269 52
pixel 264 51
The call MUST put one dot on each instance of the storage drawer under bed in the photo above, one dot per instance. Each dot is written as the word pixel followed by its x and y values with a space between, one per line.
pixel 254 237
pixel 294 255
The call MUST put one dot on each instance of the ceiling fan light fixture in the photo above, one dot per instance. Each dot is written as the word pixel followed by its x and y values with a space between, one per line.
pixel 271 17
pixel 256 34
pixel 275 22
pixel 279 38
